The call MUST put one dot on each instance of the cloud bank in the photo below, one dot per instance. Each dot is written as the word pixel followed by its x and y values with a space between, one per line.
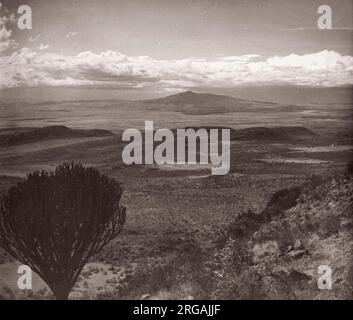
pixel 37 67
pixel 32 68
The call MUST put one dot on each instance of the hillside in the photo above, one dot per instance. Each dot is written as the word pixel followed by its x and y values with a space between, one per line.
pixel 300 229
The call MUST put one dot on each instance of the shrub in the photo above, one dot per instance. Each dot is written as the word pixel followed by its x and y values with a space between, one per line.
pixel 281 201
pixel 55 221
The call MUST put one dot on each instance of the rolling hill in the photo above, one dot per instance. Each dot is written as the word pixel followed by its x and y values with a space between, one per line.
pixel 29 135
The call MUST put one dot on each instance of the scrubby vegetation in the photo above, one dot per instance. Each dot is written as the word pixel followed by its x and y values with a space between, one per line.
pixel 270 254
pixel 278 250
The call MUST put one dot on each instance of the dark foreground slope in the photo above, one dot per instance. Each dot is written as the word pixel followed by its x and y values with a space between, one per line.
pixel 280 250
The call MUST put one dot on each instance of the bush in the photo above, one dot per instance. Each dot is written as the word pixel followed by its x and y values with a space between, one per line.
pixel 55 221
pixel 281 201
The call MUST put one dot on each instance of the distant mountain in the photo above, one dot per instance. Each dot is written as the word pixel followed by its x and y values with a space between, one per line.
pixel 190 102
pixel 190 97
pixel 29 135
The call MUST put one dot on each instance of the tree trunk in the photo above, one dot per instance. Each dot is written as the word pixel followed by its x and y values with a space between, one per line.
pixel 61 296
pixel 61 293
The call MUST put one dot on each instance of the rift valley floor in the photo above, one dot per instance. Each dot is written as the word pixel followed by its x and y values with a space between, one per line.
pixel 178 217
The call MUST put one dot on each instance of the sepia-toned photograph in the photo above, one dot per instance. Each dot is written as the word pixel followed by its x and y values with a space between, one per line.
pixel 176 150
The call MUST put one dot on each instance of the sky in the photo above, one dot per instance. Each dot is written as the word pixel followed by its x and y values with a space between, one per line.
pixel 155 47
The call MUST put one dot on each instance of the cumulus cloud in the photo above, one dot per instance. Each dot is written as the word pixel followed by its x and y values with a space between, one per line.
pixel 28 68
pixel 5 34
pixel 43 46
